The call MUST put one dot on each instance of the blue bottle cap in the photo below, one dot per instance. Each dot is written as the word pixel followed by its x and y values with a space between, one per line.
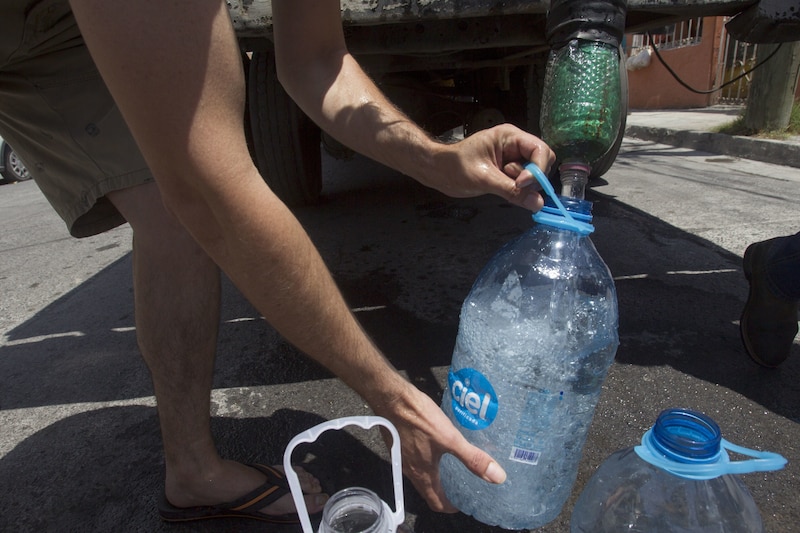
pixel 686 436
pixel 558 216
pixel 690 445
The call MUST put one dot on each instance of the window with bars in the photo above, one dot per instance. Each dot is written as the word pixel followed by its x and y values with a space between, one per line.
pixel 684 33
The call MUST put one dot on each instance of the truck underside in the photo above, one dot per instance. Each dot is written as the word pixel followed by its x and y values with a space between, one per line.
pixel 446 64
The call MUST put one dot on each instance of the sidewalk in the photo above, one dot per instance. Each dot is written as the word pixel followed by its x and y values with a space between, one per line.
pixel 692 128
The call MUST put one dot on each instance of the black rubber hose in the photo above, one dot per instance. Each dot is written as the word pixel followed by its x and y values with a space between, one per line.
pixel 592 20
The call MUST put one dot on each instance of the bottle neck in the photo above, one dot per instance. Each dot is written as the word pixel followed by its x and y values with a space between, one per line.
pixel 687 436
pixel 689 444
pixel 580 210
pixel 554 213
pixel 354 509
pixel 574 177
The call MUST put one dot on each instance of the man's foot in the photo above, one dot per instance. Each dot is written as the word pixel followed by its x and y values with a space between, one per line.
pixel 768 324
pixel 250 491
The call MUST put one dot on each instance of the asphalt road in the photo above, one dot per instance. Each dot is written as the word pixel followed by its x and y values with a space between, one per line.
pixel 79 442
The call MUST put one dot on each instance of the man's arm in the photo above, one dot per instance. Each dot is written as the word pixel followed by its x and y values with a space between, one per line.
pixel 327 83
pixel 175 72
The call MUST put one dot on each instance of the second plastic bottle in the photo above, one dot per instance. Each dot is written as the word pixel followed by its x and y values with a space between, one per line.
pixel 536 337
pixel 680 479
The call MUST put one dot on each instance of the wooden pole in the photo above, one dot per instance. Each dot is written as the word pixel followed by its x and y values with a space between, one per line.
pixel 769 102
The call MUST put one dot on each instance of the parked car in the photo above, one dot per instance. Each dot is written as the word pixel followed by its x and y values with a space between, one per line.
pixel 11 166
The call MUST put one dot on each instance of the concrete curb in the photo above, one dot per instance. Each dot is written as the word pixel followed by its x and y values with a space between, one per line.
pixel 768 151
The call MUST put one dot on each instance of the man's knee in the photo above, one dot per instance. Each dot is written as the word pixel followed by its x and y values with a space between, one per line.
pixel 152 223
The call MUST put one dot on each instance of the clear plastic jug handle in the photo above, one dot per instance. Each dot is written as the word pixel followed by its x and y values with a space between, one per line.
pixel 311 435
pixel 761 461
pixel 564 220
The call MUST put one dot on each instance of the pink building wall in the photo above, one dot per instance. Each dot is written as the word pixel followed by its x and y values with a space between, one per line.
pixel 653 87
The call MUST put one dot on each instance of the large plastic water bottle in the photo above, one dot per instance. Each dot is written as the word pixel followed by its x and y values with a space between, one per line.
pixel 679 480
pixel 536 337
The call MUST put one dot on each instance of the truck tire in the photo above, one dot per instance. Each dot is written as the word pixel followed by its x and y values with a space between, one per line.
pixel 603 164
pixel 285 142
pixel 521 104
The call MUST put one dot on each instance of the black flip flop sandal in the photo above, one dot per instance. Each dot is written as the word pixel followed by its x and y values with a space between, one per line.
pixel 274 488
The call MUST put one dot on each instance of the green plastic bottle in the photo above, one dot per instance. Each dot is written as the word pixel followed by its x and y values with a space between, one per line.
pixel 581 101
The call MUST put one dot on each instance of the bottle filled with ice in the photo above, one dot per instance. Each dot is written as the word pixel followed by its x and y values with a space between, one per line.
pixel 537 335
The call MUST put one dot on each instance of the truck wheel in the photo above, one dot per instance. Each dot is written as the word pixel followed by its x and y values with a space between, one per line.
pixel 285 142
pixel 522 104
pixel 603 164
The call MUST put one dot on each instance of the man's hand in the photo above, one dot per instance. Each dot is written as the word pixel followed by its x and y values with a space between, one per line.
pixel 425 435
pixel 492 162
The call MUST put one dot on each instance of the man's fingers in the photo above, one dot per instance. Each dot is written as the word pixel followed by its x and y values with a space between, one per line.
pixel 523 194
pixel 480 463
pixel 530 199
pixel 477 461
pixel 542 156
pixel 434 496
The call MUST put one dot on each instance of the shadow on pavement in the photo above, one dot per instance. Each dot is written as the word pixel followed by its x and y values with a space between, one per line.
pixel 683 309
pixel 103 471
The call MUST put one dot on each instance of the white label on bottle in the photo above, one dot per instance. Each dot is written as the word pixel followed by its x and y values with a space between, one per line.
pixel 521 455
pixel 543 409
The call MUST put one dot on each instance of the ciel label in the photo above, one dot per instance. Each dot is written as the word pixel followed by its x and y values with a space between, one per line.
pixel 473 398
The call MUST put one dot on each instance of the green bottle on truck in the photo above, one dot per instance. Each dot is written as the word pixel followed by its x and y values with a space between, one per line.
pixel 581 102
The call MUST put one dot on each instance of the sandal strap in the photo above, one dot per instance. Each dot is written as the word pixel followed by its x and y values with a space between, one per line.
pixel 274 488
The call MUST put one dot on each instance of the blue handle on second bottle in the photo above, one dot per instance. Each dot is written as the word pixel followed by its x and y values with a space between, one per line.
pixel 762 461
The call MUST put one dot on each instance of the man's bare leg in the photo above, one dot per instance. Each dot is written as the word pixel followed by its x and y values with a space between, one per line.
pixel 177 298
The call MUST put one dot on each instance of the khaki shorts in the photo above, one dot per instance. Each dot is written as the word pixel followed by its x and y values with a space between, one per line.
pixel 57 114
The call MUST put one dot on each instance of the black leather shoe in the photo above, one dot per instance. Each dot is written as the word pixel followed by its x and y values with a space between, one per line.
pixel 768 324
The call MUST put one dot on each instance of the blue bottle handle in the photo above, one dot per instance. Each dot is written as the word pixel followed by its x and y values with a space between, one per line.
pixel 761 461
pixel 561 219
